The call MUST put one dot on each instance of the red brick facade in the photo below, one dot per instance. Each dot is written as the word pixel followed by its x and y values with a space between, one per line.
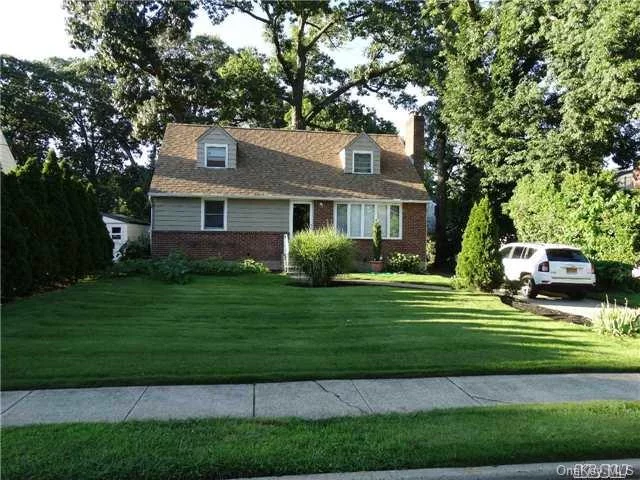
pixel 263 246
pixel 414 230
pixel 268 246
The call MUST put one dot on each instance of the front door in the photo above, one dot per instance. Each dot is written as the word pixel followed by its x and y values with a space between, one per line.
pixel 301 217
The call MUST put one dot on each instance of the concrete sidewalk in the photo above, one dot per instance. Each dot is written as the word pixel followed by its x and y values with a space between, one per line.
pixel 309 399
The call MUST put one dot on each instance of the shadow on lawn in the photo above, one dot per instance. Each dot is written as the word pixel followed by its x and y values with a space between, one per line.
pixel 495 325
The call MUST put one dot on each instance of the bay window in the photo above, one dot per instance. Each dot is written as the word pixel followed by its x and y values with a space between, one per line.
pixel 356 219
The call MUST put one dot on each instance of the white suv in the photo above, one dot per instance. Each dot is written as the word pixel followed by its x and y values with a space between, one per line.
pixel 548 267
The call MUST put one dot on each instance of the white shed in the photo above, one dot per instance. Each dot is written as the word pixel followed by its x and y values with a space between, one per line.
pixel 123 229
pixel 7 162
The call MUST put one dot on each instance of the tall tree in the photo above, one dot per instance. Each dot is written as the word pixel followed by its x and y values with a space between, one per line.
pixel 66 103
pixel 30 113
pixel 347 115
pixel 163 75
pixel 545 85
pixel 301 33
pixel 99 141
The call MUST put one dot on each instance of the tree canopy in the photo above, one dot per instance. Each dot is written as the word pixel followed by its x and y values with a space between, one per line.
pixel 303 34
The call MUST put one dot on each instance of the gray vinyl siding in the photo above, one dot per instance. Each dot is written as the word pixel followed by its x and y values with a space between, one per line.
pixel 219 137
pixel 362 143
pixel 185 214
pixel 177 214
pixel 258 215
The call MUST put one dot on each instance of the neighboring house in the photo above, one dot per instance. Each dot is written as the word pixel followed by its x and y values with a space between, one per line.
pixel 240 192
pixel 123 229
pixel 629 179
pixel 7 162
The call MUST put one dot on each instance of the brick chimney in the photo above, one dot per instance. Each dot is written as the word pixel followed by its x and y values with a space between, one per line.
pixel 414 141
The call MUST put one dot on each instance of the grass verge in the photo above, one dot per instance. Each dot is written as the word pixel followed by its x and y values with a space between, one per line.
pixel 228 448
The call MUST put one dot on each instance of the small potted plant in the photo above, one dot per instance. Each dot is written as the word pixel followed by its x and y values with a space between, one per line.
pixel 376 263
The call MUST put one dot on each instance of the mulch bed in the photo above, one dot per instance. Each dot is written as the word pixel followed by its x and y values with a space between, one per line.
pixel 545 312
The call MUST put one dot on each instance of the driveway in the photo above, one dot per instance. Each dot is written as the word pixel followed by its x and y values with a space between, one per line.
pixel 583 308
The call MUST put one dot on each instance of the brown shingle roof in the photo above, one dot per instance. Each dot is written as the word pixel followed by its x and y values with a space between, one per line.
pixel 283 164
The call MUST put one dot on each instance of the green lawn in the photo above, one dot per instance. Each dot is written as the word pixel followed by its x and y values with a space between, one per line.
pixel 226 448
pixel 257 327
pixel 439 280
pixel 633 298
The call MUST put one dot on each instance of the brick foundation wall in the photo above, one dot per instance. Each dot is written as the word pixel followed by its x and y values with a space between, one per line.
pixel 263 246
pixel 414 230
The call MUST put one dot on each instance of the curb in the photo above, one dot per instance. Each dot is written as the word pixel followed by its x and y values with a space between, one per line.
pixel 624 469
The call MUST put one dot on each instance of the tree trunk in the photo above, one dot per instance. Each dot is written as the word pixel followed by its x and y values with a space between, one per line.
pixel 442 244
pixel 297 119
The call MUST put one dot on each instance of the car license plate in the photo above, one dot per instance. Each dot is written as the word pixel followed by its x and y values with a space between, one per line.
pixel 572 270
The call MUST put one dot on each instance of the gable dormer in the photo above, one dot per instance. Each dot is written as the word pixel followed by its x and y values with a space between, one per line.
pixel 361 156
pixel 217 149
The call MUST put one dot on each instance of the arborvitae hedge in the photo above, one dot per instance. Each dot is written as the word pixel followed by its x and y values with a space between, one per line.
pixel 479 265
pixel 51 228
pixel 16 260
pixel 61 222
pixel 32 210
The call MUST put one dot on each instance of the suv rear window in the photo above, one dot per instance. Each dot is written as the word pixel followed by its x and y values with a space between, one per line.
pixel 565 255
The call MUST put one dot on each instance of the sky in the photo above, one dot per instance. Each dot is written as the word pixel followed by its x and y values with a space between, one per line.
pixel 35 30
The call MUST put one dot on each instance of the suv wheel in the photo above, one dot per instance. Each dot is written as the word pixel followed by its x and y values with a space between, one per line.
pixel 528 287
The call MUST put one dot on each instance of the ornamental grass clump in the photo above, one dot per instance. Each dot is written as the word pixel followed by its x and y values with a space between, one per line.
pixel 321 254
pixel 616 320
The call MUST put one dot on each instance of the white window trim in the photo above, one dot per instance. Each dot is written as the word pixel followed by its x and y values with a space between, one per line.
pixel 224 221
pixel 226 154
pixel 362 204
pixel 291 203
pixel 353 162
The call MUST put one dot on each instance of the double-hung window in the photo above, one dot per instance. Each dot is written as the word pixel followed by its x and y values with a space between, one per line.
pixel 362 162
pixel 213 214
pixel 116 233
pixel 356 219
pixel 216 156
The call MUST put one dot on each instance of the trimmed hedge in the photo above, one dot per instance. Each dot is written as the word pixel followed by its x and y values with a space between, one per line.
pixel 52 231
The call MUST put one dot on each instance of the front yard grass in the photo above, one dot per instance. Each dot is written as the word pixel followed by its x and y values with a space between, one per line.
pixel 429 279
pixel 225 448
pixel 139 331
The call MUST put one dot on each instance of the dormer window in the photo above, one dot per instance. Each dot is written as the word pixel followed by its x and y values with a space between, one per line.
pixel 362 162
pixel 216 156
